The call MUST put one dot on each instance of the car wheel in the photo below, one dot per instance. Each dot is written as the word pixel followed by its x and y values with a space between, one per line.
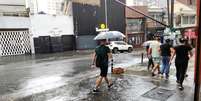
pixel 115 50
pixel 130 49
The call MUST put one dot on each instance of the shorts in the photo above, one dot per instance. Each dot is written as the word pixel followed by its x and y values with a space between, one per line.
pixel 156 60
pixel 104 70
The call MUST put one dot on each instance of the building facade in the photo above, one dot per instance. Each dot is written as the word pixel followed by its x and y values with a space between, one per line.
pixel 155 9
pixel 185 16
pixel 90 14
pixel 14 28
pixel 52 25
pixel 185 19
pixel 155 28
pixel 136 26
pixel 191 3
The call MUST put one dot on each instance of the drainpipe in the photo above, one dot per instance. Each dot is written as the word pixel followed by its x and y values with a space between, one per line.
pixel 198 56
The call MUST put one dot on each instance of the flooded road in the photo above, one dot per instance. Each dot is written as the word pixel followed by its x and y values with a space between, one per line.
pixel 27 78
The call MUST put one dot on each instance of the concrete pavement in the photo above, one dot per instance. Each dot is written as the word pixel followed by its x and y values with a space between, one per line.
pixel 136 84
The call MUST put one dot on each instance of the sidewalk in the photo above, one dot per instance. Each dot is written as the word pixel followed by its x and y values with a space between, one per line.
pixel 136 84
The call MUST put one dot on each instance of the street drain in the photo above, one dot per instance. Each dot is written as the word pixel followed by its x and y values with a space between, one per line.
pixel 159 94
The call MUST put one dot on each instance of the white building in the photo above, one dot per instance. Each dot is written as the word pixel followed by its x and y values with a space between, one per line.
pixel 51 19
pixel 55 6
pixel 23 21
pixel 51 16
pixel 184 15
pixel 14 28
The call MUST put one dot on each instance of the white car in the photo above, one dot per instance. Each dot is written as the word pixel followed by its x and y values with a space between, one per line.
pixel 121 46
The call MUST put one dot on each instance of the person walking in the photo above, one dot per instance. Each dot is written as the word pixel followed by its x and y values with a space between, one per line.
pixel 150 60
pixel 154 51
pixel 183 53
pixel 101 57
pixel 166 54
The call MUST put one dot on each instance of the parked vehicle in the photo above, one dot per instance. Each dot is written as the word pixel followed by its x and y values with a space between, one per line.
pixel 121 46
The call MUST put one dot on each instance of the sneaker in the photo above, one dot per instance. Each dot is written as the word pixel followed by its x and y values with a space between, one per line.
pixel 153 74
pixel 167 77
pixel 110 85
pixel 178 82
pixel 181 87
pixel 95 90
pixel 186 75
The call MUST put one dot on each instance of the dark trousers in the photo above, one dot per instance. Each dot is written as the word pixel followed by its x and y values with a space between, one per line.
pixel 181 67
pixel 150 62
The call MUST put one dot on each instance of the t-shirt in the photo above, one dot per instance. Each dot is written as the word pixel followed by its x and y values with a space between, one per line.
pixel 155 46
pixel 182 52
pixel 102 55
pixel 165 50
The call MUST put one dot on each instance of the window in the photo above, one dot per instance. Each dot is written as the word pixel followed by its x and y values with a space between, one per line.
pixel 134 25
pixel 139 2
pixel 120 43
pixel 188 20
pixel 185 19
pixel 192 19
pixel 134 2
pixel 190 2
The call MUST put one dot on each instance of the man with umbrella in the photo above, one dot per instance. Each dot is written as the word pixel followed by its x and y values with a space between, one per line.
pixel 100 58
pixel 102 55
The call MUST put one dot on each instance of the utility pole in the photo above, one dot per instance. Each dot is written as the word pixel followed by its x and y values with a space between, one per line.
pixel 37 6
pixel 106 16
pixel 198 55
pixel 168 11
pixel 172 14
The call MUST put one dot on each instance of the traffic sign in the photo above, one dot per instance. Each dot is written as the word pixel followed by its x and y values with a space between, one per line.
pixel 103 26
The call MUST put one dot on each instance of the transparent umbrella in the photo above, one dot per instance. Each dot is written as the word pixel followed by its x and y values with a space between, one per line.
pixel 109 35
pixel 147 43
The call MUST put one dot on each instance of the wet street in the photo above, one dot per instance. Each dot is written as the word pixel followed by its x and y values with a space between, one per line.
pixel 58 77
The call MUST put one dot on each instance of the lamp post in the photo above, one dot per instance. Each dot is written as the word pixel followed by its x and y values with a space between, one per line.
pixel 37 5
pixel 168 11
pixel 106 16
pixel 172 14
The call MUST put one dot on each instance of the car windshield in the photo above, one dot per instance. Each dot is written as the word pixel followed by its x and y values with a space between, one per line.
pixel 120 43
